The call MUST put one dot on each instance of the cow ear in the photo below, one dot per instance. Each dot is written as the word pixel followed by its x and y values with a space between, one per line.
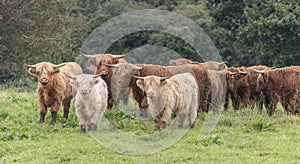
pixel 140 84
pixel 32 71
pixel 163 82
pixel 56 70
pixel 96 80
pixel 116 58
pixel 74 83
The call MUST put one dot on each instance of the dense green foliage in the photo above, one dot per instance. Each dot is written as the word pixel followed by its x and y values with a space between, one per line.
pixel 246 32
pixel 258 32
pixel 243 136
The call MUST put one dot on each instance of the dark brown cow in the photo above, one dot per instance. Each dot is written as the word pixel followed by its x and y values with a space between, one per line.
pixel 237 87
pixel 124 71
pixel 256 96
pixel 100 61
pixel 284 83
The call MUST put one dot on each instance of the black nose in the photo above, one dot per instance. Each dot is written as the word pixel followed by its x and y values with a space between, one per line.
pixel 151 94
pixel 84 91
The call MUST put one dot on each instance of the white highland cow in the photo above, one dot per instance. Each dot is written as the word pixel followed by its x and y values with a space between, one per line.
pixel 90 100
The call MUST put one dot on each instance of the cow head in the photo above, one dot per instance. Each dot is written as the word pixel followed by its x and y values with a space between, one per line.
pixel 100 61
pixel 152 86
pixel 262 79
pixel 44 71
pixel 218 66
pixel 120 81
pixel 84 84
pixel 233 76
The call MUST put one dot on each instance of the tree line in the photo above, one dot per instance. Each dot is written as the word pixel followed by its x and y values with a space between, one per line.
pixel 245 32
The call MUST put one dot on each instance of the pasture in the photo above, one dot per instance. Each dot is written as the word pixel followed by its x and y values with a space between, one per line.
pixel 244 136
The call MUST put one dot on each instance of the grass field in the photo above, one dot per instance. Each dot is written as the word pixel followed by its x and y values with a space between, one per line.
pixel 239 137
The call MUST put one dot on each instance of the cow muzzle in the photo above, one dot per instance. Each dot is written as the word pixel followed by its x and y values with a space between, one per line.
pixel 84 92
pixel 151 94
pixel 44 81
pixel 103 72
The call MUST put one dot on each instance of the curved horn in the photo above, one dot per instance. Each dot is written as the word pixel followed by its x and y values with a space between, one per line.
pixel 243 72
pixel 112 65
pixel 232 73
pixel 98 75
pixel 60 65
pixel 273 67
pixel 164 78
pixel 91 56
pixel 71 77
pixel 118 56
pixel 195 62
pixel 224 62
pixel 138 77
pixel 29 66
pixel 137 68
pixel 257 71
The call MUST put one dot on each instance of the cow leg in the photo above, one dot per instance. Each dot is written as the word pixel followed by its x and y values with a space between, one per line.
pixel 54 110
pixel 92 127
pixel 53 115
pixel 192 117
pixel 82 128
pixel 144 107
pixel 43 111
pixel 110 103
pixel 235 103
pixel 181 120
pixel 66 105
pixel 42 117
pixel 226 104
pixel 270 105
pixel 260 103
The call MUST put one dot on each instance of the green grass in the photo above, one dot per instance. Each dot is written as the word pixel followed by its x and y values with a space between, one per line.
pixel 239 137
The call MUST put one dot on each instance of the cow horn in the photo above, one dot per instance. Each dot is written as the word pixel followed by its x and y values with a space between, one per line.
pixel 258 71
pixel 60 65
pixel 138 68
pixel 232 73
pixel 164 78
pixel 273 67
pixel 195 62
pixel 224 62
pixel 29 66
pixel 243 72
pixel 91 56
pixel 112 65
pixel 138 77
pixel 71 77
pixel 98 75
pixel 118 56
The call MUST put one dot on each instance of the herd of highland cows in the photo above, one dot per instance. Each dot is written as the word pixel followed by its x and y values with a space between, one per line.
pixel 183 89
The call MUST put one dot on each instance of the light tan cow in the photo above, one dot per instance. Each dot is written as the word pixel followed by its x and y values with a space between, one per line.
pixel 177 95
